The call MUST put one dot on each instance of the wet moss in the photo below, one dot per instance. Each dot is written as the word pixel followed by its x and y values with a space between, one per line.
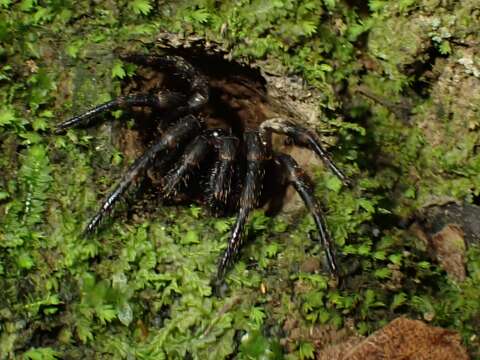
pixel 141 287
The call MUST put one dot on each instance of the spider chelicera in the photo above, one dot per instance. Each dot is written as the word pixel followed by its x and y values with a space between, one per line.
pixel 212 132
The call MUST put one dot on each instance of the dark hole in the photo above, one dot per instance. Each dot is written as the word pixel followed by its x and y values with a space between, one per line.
pixel 238 99
pixel 421 71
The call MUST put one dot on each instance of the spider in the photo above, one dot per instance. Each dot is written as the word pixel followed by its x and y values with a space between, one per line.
pixel 210 137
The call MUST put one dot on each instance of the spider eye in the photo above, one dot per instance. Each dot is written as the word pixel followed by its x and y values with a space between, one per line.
pixel 215 133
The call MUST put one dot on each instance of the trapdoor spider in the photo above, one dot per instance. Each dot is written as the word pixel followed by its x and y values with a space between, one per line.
pixel 224 152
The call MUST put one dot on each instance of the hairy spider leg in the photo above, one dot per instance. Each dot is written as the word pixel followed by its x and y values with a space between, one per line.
pixel 173 136
pixel 164 100
pixel 198 83
pixel 220 182
pixel 303 185
pixel 256 156
pixel 302 137
pixel 194 154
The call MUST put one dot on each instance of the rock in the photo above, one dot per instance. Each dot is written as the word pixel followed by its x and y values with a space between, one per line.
pixel 446 230
pixel 403 339
pixel 450 249
pixel 434 218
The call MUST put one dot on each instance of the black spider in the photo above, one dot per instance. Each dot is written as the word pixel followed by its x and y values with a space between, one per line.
pixel 192 126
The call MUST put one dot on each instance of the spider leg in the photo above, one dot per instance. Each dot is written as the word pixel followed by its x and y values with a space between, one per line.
pixel 256 156
pixel 220 183
pixel 198 83
pixel 194 154
pixel 302 137
pixel 167 100
pixel 303 185
pixel 175 135
pixel 161 100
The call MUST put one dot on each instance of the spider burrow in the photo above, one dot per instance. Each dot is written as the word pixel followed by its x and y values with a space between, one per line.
pixel 211 123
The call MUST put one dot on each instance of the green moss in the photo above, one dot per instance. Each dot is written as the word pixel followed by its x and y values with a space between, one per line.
pixel 141 288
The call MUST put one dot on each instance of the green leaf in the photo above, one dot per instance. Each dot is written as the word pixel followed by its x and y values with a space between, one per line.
pixel 383 211
pixel 410 193
pixel 117 158
pixel 366 205
pixel 106 313
pixel 422 304
pixel 363 249
pixel 309 27
pixel 257 315
pixel 279 226
pixel 42 15
pixel 306 351
pixel 405 4
pixel 383 273
pixel 73 48
pixel 190 238
pixel 84 331
pixel 5 3
pixel 424 265
pixel 30 138
pixel 117 70
pixel 4 195
pixel 142 29
pixel 41 354
pixel 396 259
pixel 356 29
pixel 195 211
pixel 222 225
pixel 334 183
pixel 271 250
pixel 323 316
pixel 24 261
pixel 319 281
pixel 255 346
pixel 39 124
pixel 7 116
pixel 445 48
pixel 326 68
pixel 398 300
pixel 200 16
pixel 27 5
pixel 376 5
pixel 330 4
pixel 140 7
pixel 369 297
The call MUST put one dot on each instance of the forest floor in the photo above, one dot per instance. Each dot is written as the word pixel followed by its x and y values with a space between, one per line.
pixel 393 88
